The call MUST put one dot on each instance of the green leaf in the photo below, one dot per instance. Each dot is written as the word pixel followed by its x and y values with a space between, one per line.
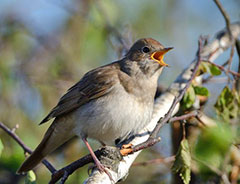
pixel 30 178
pixel 212 146
pixel 227 105
pixel 188 98
pixel 203 67
pixel 182 164
pixel 199 90
pixel 1 147
pixel 210 68
pixel 215 70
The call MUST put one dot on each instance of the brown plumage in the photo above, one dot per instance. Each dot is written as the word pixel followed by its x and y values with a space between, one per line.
pixel 109 102
pixel 94 84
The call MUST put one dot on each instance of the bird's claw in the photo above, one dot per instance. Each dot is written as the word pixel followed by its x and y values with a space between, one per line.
pixel 126 149
pixel 101 168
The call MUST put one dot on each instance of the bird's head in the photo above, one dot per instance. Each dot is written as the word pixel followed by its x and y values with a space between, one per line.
pixel 148 49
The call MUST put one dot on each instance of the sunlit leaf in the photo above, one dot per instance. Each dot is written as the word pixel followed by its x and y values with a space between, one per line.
pixel 215 70
pixel 30 178
pixel 206 67
pixel 203 67
pixel 189 98
pixel 182 162
pixel 227 105
pixel 200 90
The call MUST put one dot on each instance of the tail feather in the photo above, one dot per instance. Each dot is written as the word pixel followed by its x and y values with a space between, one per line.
pixel 55 136
pixel 33 160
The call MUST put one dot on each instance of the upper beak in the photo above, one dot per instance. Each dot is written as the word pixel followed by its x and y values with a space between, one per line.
pixel 158 56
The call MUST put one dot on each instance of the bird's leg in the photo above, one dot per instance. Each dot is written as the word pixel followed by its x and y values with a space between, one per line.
pixel 97 162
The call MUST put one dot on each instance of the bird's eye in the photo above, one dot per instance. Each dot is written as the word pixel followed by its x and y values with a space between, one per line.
pixel 145 49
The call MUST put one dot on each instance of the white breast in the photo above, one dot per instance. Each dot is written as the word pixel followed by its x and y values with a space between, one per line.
pixel 112 116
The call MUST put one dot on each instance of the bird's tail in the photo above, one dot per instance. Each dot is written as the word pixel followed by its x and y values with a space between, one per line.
pixel 55 136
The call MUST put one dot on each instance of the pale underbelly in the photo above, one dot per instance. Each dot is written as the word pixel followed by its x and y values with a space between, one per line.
pixel 108 118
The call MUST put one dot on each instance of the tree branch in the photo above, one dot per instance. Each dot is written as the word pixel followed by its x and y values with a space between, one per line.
pixel 24 147
pixel 69 169
pixel 185 116
pixel 225 70
pixel 238 52
pixel 225 15
pixel 163 103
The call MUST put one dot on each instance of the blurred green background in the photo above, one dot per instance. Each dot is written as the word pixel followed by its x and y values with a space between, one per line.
pixel 47 46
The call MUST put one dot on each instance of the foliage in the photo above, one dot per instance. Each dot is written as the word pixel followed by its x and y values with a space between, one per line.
pixel 182 164
pixel 191 94
pixel 228 104
pixel 212 146
pixel 189 98
pixel 209 68
pixel 30 178
pixel 202 91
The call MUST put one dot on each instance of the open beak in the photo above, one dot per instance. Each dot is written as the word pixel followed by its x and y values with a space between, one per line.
pixel 158 56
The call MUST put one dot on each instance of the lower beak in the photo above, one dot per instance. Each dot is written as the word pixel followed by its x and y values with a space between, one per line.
pixel 158 56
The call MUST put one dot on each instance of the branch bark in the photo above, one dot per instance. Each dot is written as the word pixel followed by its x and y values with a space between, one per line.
pixel 25 148
pixel 210 52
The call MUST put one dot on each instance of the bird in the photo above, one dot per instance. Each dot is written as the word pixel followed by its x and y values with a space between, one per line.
pixel 108 103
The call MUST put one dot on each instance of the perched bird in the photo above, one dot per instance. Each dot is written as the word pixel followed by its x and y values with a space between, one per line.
pixel 110 102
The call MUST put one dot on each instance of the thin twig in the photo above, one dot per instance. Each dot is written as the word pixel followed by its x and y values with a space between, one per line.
pixel 238 51
pixel 25 148
pixel 153 137
pixel 64 178
pixel 69 169
pixel 230 63
pixel 183 117
pixel 238 48
pixel 225 15
pixel 225 70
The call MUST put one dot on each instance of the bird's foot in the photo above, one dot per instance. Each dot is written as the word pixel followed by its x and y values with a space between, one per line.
pixel 126 149
pixel 102 168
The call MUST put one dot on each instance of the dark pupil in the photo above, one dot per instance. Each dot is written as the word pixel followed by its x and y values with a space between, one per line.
pixel 146 49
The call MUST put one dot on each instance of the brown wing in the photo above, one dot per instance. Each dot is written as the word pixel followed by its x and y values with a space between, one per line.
pixel 94 84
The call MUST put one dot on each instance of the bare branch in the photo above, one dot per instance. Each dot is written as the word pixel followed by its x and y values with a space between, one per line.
pixel 238 51
pixel 73 166
pixel 225 15
pixel 184 117
pixel 24 147
pixel 225 70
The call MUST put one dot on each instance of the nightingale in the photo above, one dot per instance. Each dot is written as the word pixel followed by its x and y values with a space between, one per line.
pixel 110 102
